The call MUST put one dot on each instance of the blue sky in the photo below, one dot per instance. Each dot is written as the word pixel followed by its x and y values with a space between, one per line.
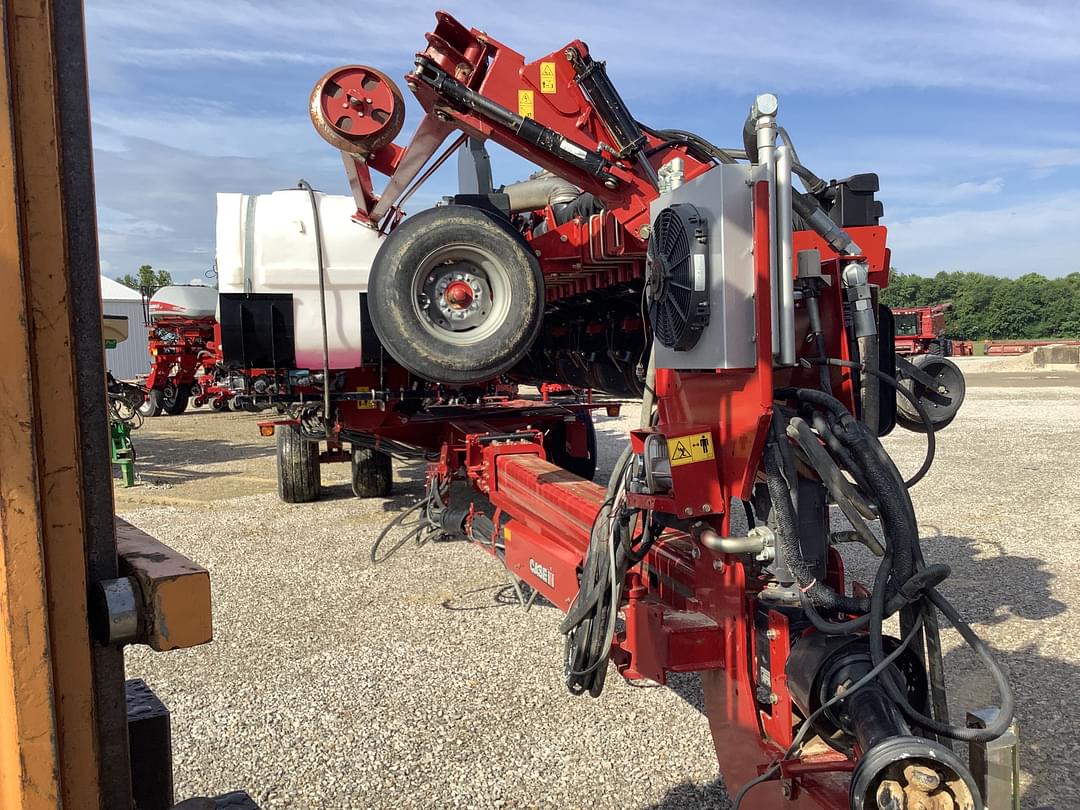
pixel 969 111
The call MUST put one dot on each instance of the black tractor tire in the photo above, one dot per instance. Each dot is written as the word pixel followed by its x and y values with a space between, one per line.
pixel 151 406
pixel 413 324
pixel 942 406
pixel 298 473
pixel 936 348
pixel 372 473
pixel 175 399
pixel 555 448
pixel 219 404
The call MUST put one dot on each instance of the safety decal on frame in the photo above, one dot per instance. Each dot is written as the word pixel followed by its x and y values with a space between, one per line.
pixel 525 103
pixel 547 78
pixel 690 449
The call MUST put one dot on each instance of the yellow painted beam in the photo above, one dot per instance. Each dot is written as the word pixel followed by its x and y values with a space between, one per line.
pixel 48 737
pixel 175 590
pixel 29 757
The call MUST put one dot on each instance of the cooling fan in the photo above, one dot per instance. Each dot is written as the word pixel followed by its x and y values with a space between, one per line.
pixel 677 277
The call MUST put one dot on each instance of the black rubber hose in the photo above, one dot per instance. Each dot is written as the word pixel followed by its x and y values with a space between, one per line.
pixel 881 476
pixel 813 311
pixel 911 591
pixel 827 469
pixel 924 415
pixel 304 184
pixel 588 593
pixel 883 480
pixel 749 139
pixel 821 425
pixel 787 534
pixel 904 553
pixel 1005 714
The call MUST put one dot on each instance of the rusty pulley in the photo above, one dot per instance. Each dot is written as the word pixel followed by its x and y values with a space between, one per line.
pixel 357 109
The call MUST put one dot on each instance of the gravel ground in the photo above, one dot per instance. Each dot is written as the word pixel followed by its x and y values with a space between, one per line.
pixel 419 683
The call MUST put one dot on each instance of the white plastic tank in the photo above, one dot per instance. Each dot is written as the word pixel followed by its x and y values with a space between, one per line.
pixel 266 244
pixel 178 301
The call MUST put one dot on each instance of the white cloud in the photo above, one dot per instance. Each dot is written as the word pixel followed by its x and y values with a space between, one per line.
pixel 1038 236
pixel 931 192
pixel 995 47
pixel 208 95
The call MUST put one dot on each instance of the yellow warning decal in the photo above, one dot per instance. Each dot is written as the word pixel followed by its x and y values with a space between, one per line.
pixel 525 103
pixel 547 77
pixel 365 404
pixel 690 449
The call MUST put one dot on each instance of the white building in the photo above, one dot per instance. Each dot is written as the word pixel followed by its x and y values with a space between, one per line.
pixel 131 357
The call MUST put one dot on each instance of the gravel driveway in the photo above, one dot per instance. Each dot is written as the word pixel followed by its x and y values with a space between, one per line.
pixel 420 683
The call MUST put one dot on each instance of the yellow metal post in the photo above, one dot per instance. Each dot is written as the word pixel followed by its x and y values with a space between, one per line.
pixel 60 694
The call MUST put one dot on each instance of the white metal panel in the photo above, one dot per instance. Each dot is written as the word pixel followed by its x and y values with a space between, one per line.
pixel 723 196
pixel 266 244
pixel 115 291
pixel 132 357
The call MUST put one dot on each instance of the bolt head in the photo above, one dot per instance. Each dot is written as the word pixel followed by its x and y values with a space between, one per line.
pixel 766 104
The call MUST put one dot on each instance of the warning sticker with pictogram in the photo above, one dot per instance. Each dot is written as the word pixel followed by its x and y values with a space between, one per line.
pixel 689 449
pixel 547 78
pixel 525 103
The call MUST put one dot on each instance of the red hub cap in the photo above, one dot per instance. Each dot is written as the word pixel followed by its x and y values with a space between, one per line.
pixel 459 295
pixel 357 106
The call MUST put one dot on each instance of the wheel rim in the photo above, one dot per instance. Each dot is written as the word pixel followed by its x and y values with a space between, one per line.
pixel 461 294
pixel 941 400
pixel 149 406
pixel 168 396
pixel 357 108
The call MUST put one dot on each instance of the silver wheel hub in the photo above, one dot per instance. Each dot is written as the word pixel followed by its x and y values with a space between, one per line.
pixel 461 294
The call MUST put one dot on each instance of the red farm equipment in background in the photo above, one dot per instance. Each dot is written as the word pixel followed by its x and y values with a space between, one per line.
pixel 769 374
pixel 921 330
pixel 185 353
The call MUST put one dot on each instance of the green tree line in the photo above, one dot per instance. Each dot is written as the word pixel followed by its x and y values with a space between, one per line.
pixel 147 278
pixel 990 307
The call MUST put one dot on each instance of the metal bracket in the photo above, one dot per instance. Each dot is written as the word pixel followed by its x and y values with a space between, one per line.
pixel 163 599
pixel 996 765
pixel 906 369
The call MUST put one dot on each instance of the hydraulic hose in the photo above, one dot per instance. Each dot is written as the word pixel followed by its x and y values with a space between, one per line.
pixel 924 415
pixel 871 398
pixel 304 184
pixel 787 533
pixel 852 504
pixel 902 578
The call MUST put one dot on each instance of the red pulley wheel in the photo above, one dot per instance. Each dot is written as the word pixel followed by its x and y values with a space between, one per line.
pixel 357 109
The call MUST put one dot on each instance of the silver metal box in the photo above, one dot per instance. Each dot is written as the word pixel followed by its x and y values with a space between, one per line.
pixel 724 197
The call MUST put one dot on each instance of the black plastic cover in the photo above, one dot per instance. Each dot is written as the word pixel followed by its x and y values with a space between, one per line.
pixel 886 365
pixel 495 202
pixel 150 746
pixel 257 330
pixel 850 202
pixel 371 350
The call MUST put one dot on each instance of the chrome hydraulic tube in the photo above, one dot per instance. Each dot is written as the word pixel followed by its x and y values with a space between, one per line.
pixel 786 291
pixel 763 116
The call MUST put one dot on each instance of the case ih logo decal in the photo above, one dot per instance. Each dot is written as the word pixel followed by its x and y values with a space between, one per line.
pixel 541 573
